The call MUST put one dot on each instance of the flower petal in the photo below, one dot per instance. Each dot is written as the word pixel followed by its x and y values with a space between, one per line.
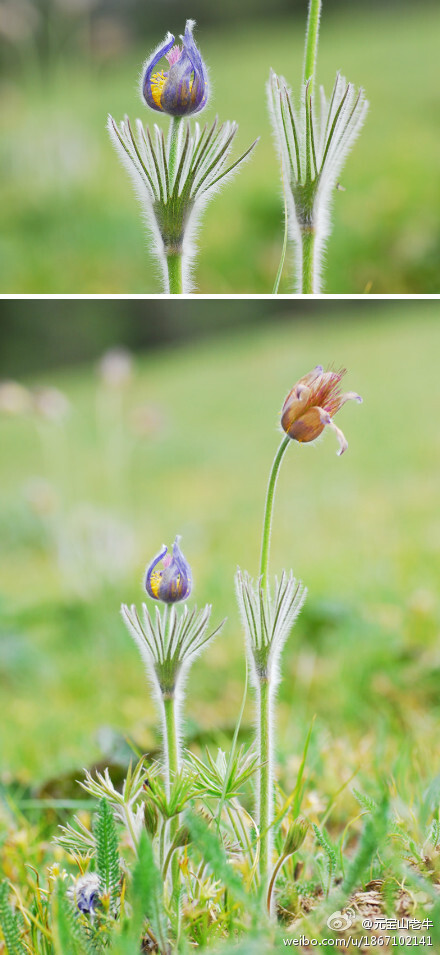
pixel 312 375
pixel 149 68
pixel 181 566
pixel 185 89
pixel 328 420
pixel 199 89
pixel 152 576
pixel 307 427
pixel 294 406
pixel 343 443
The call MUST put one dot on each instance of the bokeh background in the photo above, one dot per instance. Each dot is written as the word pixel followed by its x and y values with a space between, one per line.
pixel 108 453
pixel 69 220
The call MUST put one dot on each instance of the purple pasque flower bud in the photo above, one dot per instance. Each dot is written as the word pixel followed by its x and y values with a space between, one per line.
pixel 86 893
pixel 171 582
pixel 183 88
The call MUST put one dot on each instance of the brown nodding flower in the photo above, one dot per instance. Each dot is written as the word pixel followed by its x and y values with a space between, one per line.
pixel 312 404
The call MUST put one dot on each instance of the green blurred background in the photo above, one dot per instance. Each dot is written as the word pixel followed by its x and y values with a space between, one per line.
pixel 178 437
pixel 70 222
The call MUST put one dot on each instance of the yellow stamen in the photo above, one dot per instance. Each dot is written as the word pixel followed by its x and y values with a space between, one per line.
pixel 157 84
pixel 154 582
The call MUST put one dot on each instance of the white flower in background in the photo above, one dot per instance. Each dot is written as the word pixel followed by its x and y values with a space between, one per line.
pixel 50 403
pixel 115 367
pixel 15 399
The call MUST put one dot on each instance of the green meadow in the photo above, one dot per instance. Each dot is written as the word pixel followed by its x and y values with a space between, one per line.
pixel 70 222
pixel 185 447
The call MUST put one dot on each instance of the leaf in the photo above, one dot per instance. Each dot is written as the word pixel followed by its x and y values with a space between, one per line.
pixel 371 842
pixel 211 848
pixel 146 897
pixel 330 854
pixel 366 802
pixel 297 793
pixel 9 923
pixel 107 851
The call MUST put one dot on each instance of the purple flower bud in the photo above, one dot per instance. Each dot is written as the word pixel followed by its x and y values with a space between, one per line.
pixel 183 88
pixel 86 892
pixel 173 581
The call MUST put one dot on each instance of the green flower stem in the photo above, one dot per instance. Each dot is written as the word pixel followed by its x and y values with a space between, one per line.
pixel 162 843
pixel 265 787
pixel 174 259
pixel 285 241
pixel 129 822
pixel 268 511
pixel 174 138
pixel 308 248
pixel 273 880
pixel 172 754
pixel 171 740
pixel 311 43
pixel 264 715
pixel 168 860
pixel 174 266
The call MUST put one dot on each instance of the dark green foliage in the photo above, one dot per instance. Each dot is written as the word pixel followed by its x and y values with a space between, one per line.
pixel 9 923
pixel 107 852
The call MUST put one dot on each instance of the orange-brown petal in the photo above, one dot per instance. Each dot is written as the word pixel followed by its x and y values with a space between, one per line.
pixel 294 405
pixel 307 427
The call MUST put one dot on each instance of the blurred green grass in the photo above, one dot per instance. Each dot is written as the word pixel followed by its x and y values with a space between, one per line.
pixel 362 532
pixel 70 222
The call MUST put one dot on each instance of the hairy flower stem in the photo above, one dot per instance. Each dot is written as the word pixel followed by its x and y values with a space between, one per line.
pixel 172 768
pixel 308 237
pixel 311 43
pixel 268 510
pixel 174 139
pixel 174 258
pixel 265 798
pixel 174 268
pixel 275 872
pixel 172 747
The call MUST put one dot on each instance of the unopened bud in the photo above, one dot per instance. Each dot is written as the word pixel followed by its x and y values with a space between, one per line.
pixel 295 836
pixel 168 578
pixel 182 837
pixel 151 818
